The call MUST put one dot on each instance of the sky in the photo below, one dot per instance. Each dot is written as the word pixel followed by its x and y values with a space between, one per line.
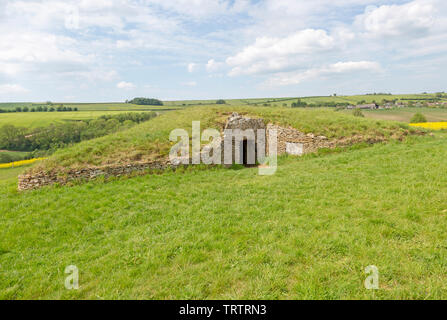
pixel 113 50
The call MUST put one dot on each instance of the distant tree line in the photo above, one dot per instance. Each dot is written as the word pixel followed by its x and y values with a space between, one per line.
pixel 299 104
pixel 303 104
pixel 145 102
pixel 60 135
pixel 59 108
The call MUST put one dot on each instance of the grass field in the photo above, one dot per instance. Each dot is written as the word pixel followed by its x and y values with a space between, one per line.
pixel 13 155
pixel 113 106
pixel 179 104
pixel 12 173
pixel 307 232
pixel 42 119
pixel 94 110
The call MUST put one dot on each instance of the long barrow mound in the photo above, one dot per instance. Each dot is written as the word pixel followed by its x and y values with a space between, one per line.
pixel 146 147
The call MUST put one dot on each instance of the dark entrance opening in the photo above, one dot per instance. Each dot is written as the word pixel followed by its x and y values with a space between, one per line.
pixel 246 148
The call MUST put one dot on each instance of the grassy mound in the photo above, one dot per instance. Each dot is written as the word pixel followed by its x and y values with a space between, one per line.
pixel 150 141
pixel 306 232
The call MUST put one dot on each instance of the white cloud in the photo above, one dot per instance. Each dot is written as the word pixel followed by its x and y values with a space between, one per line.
pixel 125 85
pixel 213 65
pixel 333 69
pixel 36 47
pixel 413 19
pixel 11 89
pixel 274 54
pixel 201 9
pixel 290 41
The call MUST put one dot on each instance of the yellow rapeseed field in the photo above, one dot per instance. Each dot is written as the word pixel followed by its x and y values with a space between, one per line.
pixel 19 163
pixel 431 125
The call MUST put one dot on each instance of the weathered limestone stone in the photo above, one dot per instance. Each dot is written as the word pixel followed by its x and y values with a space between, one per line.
pixel 295 149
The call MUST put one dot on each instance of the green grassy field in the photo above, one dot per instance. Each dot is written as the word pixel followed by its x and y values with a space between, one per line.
pixel 12 173
pixel 13 155
pixel 308 232
pixel 179 104
pixel 112 106
pixel 150 140
pixel 86 111
pixel 42 119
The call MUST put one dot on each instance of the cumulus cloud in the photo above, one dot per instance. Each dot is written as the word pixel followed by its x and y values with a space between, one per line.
pixel 326 71
pixel 413 19
pixel 125 85
pixel 213 65
pixel 274 54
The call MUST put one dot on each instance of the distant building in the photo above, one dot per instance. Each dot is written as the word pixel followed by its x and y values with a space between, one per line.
pixel 371 106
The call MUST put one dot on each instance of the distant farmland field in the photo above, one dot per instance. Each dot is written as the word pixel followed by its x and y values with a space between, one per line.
pixel 112 106
pixel 41 119
pixel 178 104
pixel 95 110
pixel 86 111
pixel 369 98
pixel 405 114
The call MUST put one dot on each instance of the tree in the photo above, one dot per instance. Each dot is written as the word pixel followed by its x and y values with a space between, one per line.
pixel 18 109
pixel 146 102
pixel 220 101
pixel 25 109
pixel 299 104
pixel 418 118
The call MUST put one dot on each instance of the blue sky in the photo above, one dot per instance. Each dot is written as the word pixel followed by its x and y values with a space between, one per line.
pixel 112 50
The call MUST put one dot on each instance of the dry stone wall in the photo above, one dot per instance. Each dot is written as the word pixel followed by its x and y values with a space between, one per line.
pixel 310 143
pixel 40 179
